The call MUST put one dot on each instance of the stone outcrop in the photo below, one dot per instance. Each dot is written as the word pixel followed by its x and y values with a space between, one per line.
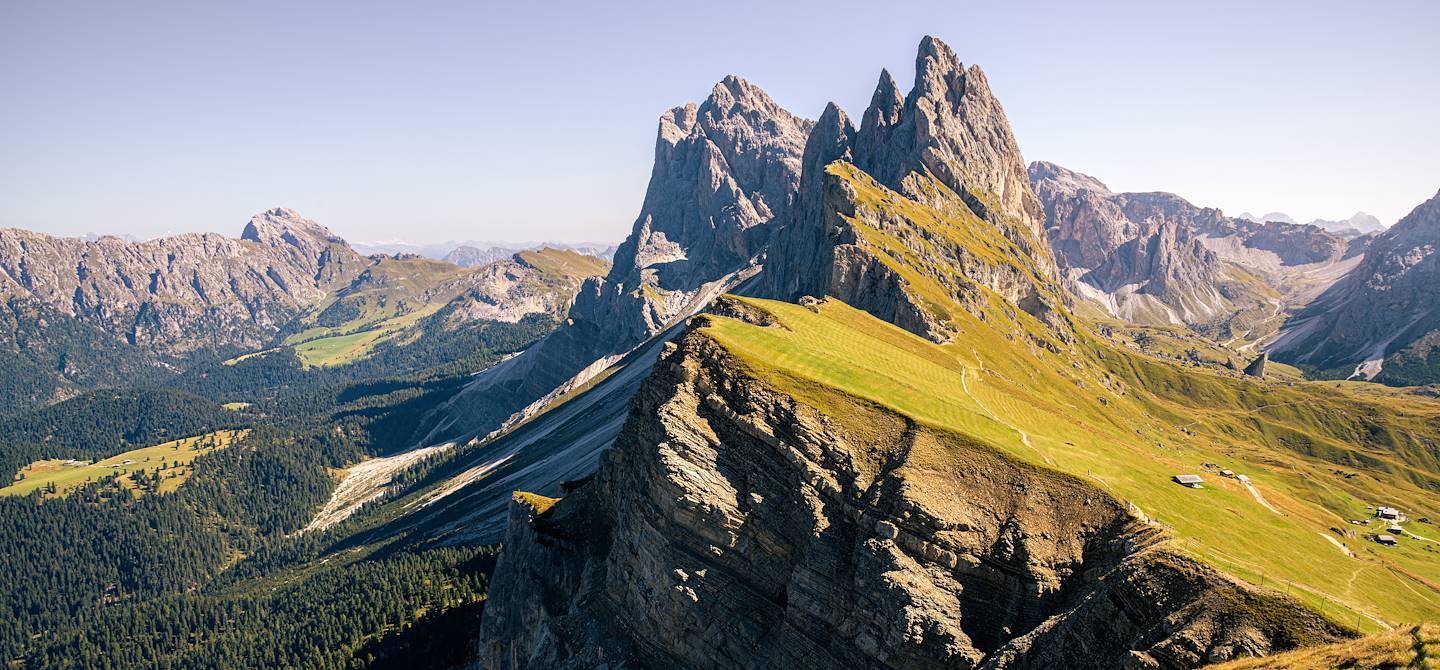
pixel 1381 316
pixel 176 295
pixel 1167 262
pixel 733 526
pixel 724 171
pixel 1256 368
pixel 919 169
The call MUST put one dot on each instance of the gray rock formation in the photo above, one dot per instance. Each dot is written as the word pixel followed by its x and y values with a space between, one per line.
pixel 1100 239
pixel 178 295
pixel 1256 368
pixel 945 152
pixel 724 170
pixel 951 126
pixel 1168 262
pixel 1382 315
pixel 732 526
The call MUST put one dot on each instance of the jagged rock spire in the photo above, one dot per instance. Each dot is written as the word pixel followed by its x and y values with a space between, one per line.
pixel 885 104
pixel 952 126
pixel 722 168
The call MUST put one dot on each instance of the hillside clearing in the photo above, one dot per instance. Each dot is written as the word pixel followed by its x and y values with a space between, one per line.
pixel 171 460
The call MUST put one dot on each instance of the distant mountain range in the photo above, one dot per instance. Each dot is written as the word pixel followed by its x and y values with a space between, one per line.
pixel 1155 258
pixel 80 313
pixel 1358 224
pixel 472 253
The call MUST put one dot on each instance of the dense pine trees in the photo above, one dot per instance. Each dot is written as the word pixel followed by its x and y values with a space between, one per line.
pixel 214 573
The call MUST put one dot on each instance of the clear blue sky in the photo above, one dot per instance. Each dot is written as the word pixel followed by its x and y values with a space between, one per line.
pixel 535 120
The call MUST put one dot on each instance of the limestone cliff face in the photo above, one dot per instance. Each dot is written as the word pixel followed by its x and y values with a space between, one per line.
pixel 1382 316
pixel 1155 257
pixel 951 126
pixel 1168 262
pixel 724 171
pixel 179 294
pixel 734 526
pixel 925 182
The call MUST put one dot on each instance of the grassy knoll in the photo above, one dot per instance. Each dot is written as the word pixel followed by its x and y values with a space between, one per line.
pixel 175 457
pixel 1127 423
pixel 564 262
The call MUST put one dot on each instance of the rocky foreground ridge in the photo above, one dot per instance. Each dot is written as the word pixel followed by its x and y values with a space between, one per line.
pixel 734 526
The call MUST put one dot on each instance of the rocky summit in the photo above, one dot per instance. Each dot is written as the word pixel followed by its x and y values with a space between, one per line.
pixel 725 172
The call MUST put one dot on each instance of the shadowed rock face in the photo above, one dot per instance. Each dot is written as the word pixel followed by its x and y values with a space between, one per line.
pixel 1382 316
pixel 724 171
pixel 163 293
pixel 732 526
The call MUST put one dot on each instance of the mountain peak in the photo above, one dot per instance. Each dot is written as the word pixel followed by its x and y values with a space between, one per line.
pixel 1063 179
pixel 886 104
pixel 938 72
pixel 283 226
pixel 950 126
pixel 734 95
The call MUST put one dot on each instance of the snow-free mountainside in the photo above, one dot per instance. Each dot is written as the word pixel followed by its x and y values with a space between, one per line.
pixel 869 393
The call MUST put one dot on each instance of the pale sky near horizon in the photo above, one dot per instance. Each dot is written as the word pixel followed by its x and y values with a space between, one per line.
pixel 431 121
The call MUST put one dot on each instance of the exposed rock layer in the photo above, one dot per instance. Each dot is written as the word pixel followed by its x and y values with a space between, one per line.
pixel 1382 315
pixel 732 526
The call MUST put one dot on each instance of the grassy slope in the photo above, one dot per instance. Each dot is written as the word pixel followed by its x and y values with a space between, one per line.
pixel 1037 407
pixel 1128 422
pixel 175 454
pixel 1410 647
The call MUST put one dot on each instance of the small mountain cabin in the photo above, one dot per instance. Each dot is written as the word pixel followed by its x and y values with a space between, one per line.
pixel 1192 481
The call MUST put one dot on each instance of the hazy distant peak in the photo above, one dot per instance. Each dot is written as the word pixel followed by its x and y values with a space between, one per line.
pixel 1064 179
pixel 283 226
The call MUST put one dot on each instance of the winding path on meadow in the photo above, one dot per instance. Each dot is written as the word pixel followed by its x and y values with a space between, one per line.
pixel 1024 437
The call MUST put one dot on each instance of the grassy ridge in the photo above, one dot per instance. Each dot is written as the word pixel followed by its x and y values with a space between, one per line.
pixel 394 297
pixel 1128 423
